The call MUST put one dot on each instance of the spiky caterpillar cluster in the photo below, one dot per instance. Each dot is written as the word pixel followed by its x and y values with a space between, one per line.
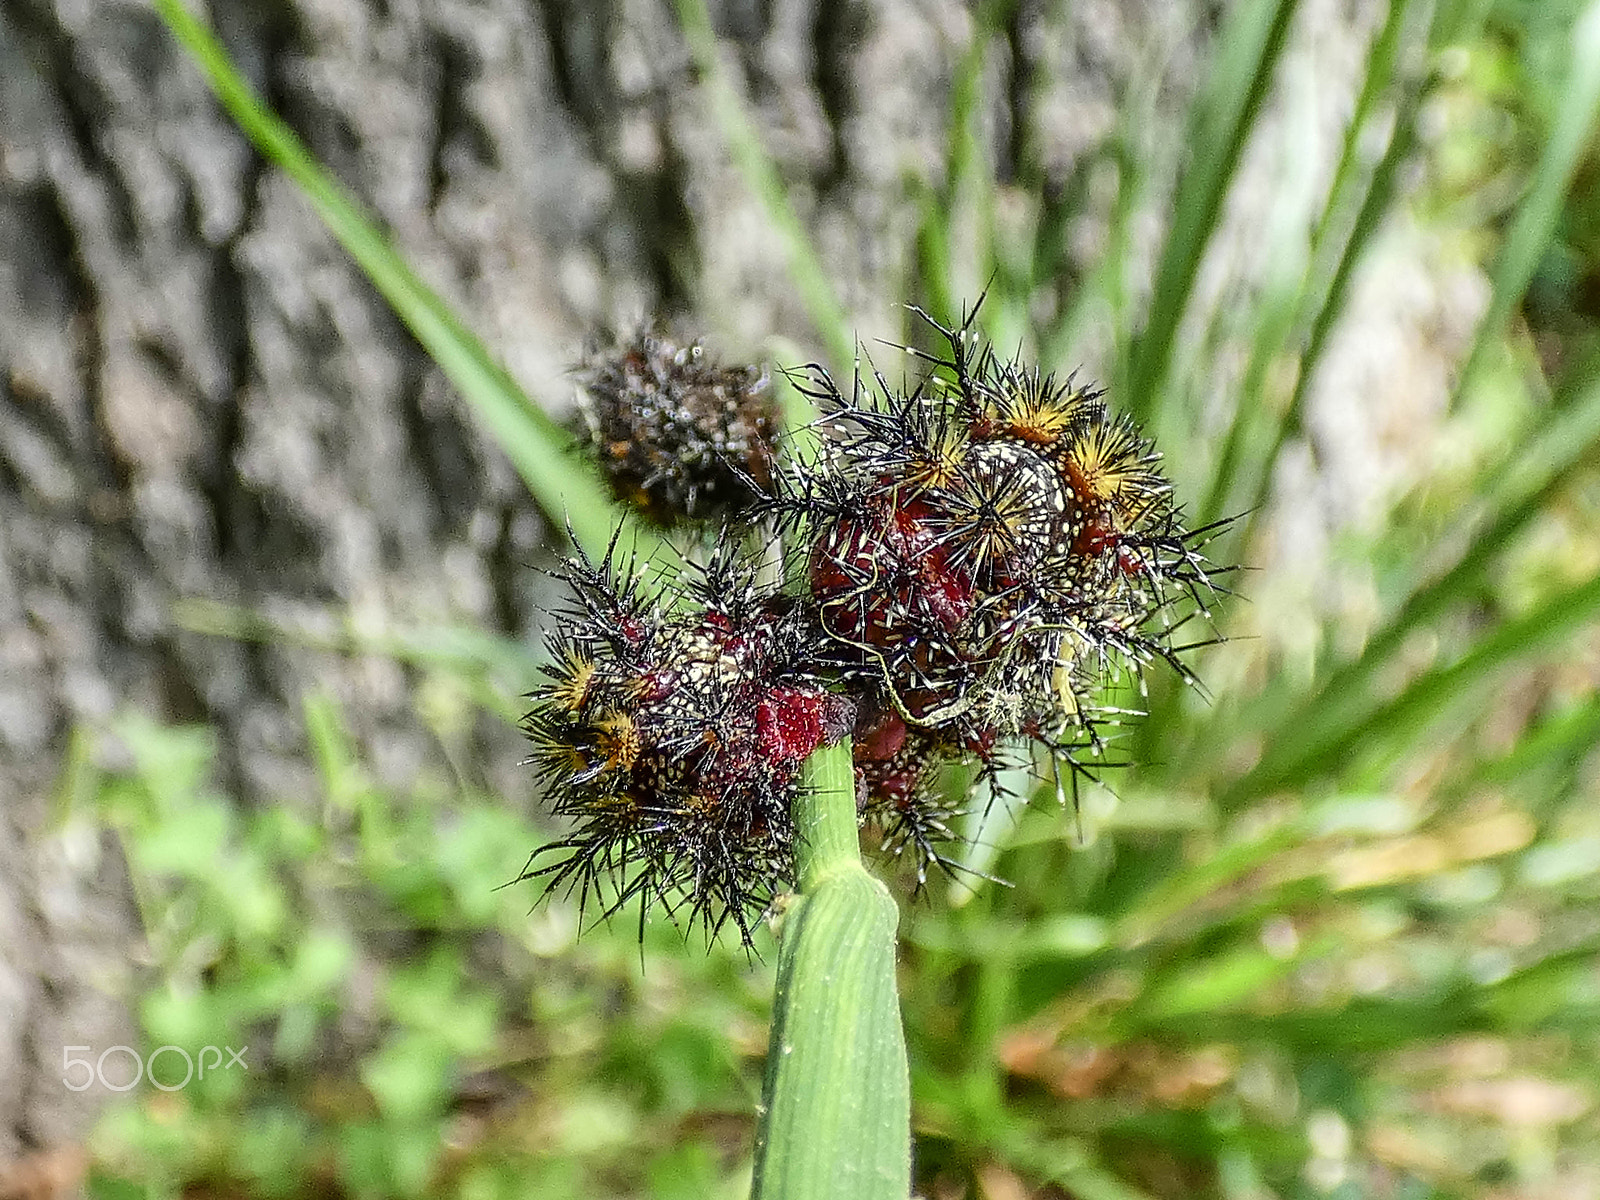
pixel 975 560
pixel 673 741
pixel 678 437
pixel 985 553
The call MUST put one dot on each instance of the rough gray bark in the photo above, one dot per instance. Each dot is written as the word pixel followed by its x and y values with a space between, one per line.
pixel 200 397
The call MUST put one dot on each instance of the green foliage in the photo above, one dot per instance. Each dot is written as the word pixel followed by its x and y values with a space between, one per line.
pixel 403 1031
pixel 1335 936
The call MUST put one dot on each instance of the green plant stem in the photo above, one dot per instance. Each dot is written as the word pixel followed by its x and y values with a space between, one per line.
pixel 825 816
pixel 836 1106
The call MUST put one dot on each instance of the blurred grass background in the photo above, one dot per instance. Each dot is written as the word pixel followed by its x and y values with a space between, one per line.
pixel 1336 935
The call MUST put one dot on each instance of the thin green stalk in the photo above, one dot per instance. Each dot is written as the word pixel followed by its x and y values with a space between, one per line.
pixel 1536 218
pixel 836 1107
pixel 811 279
pixel 825 816
pixel 1313 293
pixel 1249 47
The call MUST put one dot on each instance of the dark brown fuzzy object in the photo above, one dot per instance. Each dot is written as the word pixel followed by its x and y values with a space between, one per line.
pixel 678 437
pixel 673 738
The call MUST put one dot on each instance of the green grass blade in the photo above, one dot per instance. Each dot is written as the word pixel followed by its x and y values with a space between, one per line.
pixel 1563 740
pixel 1216 982
pixel 1378 79
pixel 1187 888
pixel 1395 725
pixel 1460 20
pixel 1283 318
pixel 1536 217
pixel 1250 44
pixel 492 668
pixel 969 195
pixel 1375 206
pixel 1278 321
pixel 963 170
pixel 836 1112
pixel 1548 461
pixel 934 267
pixel 1103 292
pixel 761 176
pixel 534 443
pixel 1322 289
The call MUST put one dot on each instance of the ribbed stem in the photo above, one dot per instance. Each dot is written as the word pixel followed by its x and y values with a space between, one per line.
pixel 836 1108
pixel 825 816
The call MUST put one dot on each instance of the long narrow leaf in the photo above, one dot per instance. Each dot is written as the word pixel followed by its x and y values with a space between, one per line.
pixel 1547 462
pixel 1251 42
pixel 535 444
pixel 1536 217
pixel 761 177
pixel 1395 725
pixel 1379 197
